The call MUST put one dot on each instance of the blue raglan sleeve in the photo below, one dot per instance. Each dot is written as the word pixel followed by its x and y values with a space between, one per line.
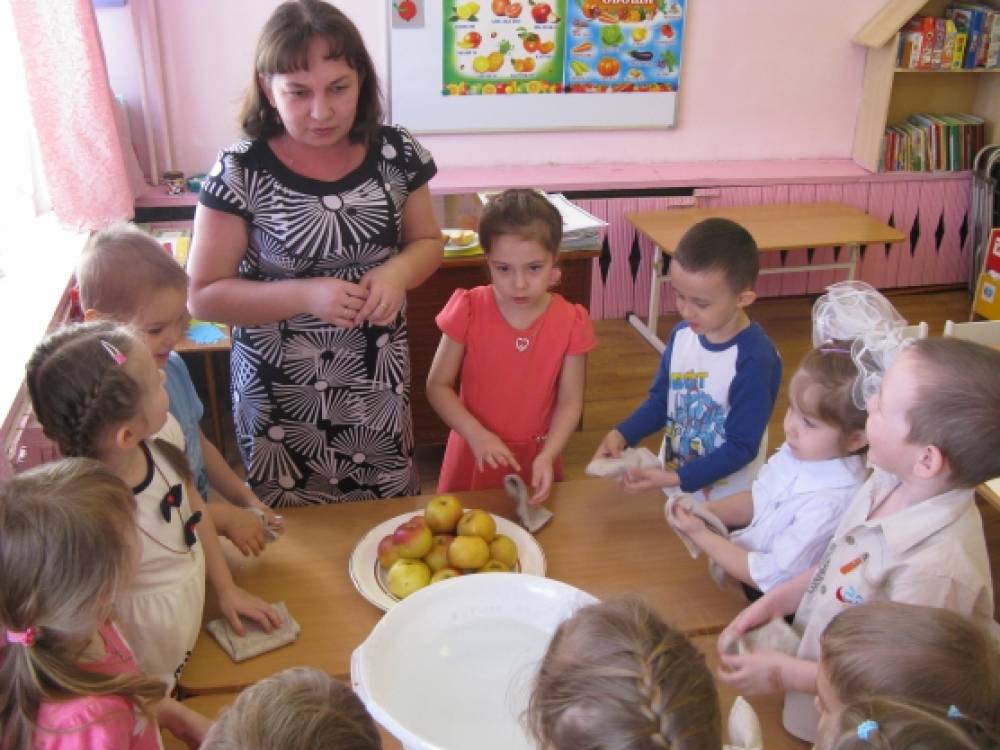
pixel 751 396
pixel 651 415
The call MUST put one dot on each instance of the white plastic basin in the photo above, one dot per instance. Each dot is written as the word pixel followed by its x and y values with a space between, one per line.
pixel 451 666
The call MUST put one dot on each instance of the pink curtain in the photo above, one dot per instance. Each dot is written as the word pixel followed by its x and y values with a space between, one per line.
pixel 73 110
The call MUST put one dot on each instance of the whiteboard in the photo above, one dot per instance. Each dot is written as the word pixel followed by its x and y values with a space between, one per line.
pixel 417 101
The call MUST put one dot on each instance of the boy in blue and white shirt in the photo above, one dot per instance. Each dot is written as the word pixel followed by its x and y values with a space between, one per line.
pixel 718 378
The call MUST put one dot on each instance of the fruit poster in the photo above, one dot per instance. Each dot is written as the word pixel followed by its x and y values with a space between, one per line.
pixel 562 46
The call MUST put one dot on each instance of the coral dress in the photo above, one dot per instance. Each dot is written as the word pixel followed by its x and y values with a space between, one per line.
pixel 510 378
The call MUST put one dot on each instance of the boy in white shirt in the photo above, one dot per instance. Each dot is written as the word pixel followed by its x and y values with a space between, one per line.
pixel 912 534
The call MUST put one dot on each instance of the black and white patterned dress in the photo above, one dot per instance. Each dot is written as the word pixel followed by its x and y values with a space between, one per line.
pixel 322 413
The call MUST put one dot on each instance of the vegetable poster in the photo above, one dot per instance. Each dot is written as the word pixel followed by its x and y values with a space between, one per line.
pixel 562 46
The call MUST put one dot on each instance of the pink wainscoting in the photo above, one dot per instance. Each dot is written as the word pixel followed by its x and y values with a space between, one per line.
pixel 931 211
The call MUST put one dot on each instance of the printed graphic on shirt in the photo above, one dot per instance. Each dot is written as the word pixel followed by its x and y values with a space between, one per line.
pixel 697 426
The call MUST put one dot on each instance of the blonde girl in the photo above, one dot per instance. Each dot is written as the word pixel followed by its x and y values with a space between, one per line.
pixel 616 677
pixel 521 351
pixel 68 680
pixel 98 393
pixel 914 653
pixel 300 707
pixel 794 505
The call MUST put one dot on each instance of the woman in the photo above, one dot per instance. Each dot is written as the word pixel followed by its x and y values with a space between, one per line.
pixel 306 239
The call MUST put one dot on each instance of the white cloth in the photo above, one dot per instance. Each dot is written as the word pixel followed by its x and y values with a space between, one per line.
pixel 160 615
pixel 631 458
pixel 796 508
pixel 932 553
pixel 745 732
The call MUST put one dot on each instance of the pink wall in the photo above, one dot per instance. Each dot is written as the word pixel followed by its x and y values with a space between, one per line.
pixel 769 79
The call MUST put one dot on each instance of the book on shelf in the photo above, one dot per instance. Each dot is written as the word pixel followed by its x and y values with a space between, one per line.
pixel 929 142
pixel 966 37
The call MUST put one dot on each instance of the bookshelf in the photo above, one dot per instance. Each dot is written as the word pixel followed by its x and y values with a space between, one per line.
pixel 891 94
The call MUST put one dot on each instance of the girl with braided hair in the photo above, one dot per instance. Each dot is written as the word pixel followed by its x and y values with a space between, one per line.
pixel 98 393
pixel 616 677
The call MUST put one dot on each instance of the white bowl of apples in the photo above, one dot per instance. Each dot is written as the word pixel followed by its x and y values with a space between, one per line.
pixel 452 665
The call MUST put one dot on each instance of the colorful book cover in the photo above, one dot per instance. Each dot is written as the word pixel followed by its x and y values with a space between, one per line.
pixel 938 50
pixel 948 51
pixel 961 38
pixel 927 46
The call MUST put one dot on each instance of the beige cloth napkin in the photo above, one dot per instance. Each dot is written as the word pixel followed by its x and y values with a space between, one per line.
pixel 745 732
pixel 714 523
pixel 777 635
pixel 531 517
pixel 631 458
pixel 256 641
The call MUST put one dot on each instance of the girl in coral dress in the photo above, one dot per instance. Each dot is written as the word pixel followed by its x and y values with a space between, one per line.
pixel 521 351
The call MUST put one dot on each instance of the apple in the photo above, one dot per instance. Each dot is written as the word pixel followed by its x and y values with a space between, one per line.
pixel 406 576
pixel 477 523
pixel 503 549
pixel 540 12
pixel 494 566
pixel 437 558
pixel 445 573
pixel 442 513
pixel 387 552
pixel 413 539
pixel 468 552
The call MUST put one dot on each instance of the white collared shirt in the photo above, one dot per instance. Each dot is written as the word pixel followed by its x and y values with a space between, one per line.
pixel 932 553
pixel 796 508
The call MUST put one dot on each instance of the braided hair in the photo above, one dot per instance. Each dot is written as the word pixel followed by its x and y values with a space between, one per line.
pixel 79 391
pixel 615 676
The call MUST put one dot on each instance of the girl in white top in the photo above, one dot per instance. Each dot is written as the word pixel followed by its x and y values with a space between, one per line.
pixel 799 496
pixel 98 393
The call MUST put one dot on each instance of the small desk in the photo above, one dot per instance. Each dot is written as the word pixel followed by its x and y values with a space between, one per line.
pixel 187 346
pixel 601 540
pixel 774 227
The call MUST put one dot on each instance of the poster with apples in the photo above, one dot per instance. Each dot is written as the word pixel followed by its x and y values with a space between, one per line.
pixel 503 47
pixel 625 46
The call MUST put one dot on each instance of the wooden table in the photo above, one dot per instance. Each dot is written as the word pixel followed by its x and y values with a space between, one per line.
pixel 601 541
pixel 774 227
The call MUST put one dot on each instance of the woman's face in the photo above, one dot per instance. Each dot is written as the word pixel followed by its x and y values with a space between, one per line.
pixel 317 105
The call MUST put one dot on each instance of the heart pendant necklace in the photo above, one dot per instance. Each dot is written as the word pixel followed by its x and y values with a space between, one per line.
pixel 521 343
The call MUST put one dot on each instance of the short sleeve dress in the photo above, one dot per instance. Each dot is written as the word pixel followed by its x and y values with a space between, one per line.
pixel 510 378
pixel 322 413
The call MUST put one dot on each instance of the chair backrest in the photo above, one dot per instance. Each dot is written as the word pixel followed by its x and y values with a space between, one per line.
pixel 919 331
pixel 986 332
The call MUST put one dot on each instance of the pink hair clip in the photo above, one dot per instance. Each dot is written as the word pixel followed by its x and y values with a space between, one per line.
pixel 111 349
pixel 24 637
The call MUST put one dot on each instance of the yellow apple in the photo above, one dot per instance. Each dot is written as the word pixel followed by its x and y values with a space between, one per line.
pixel 477 523
pixel 413 539
pixel 445 573
pixel 387 552
pixel 503 549
pixel 494 566
pixel 442 514
pixel 406 576
pixel 468 552
pixel 437 558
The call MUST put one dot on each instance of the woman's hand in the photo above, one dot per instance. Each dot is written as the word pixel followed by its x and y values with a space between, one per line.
pixel 336 301
pixel 235 602
pixel 491 451
pixel 541 478
pixel 385 290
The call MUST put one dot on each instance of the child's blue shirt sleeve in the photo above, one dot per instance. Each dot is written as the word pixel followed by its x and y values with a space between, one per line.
pixel 651 415
pixel 752 394
pixel 187 409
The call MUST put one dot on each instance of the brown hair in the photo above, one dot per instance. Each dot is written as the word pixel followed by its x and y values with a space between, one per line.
pixel 831 369
pixel 720 245
pixel 957 407
pixel 79 392
pixel 901 726
pixel 300 707
pixel 67 535
pixel 119 269
pixel 926 654
pixel 283 47
pixel 524 213
pixel 616 677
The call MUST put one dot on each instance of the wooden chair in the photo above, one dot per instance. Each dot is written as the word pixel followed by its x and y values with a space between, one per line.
pixel 986 332
pixel 919 331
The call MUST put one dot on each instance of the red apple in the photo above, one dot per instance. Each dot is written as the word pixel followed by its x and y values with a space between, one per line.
pixel 540 12
pixel 413 539
pixel 387 552
pixel 667 30
pixel 437 558
pixel 442 513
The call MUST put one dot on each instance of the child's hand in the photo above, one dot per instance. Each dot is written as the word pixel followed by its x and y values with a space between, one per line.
pixel 687 524
pixel 541 478
pixel 235 601
pixel 637 480
pixel 759 613
pixel 491 451
pixel 274 522
pixel 190 727
pixel 239 526
pixel 611 446
pixel 759 673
